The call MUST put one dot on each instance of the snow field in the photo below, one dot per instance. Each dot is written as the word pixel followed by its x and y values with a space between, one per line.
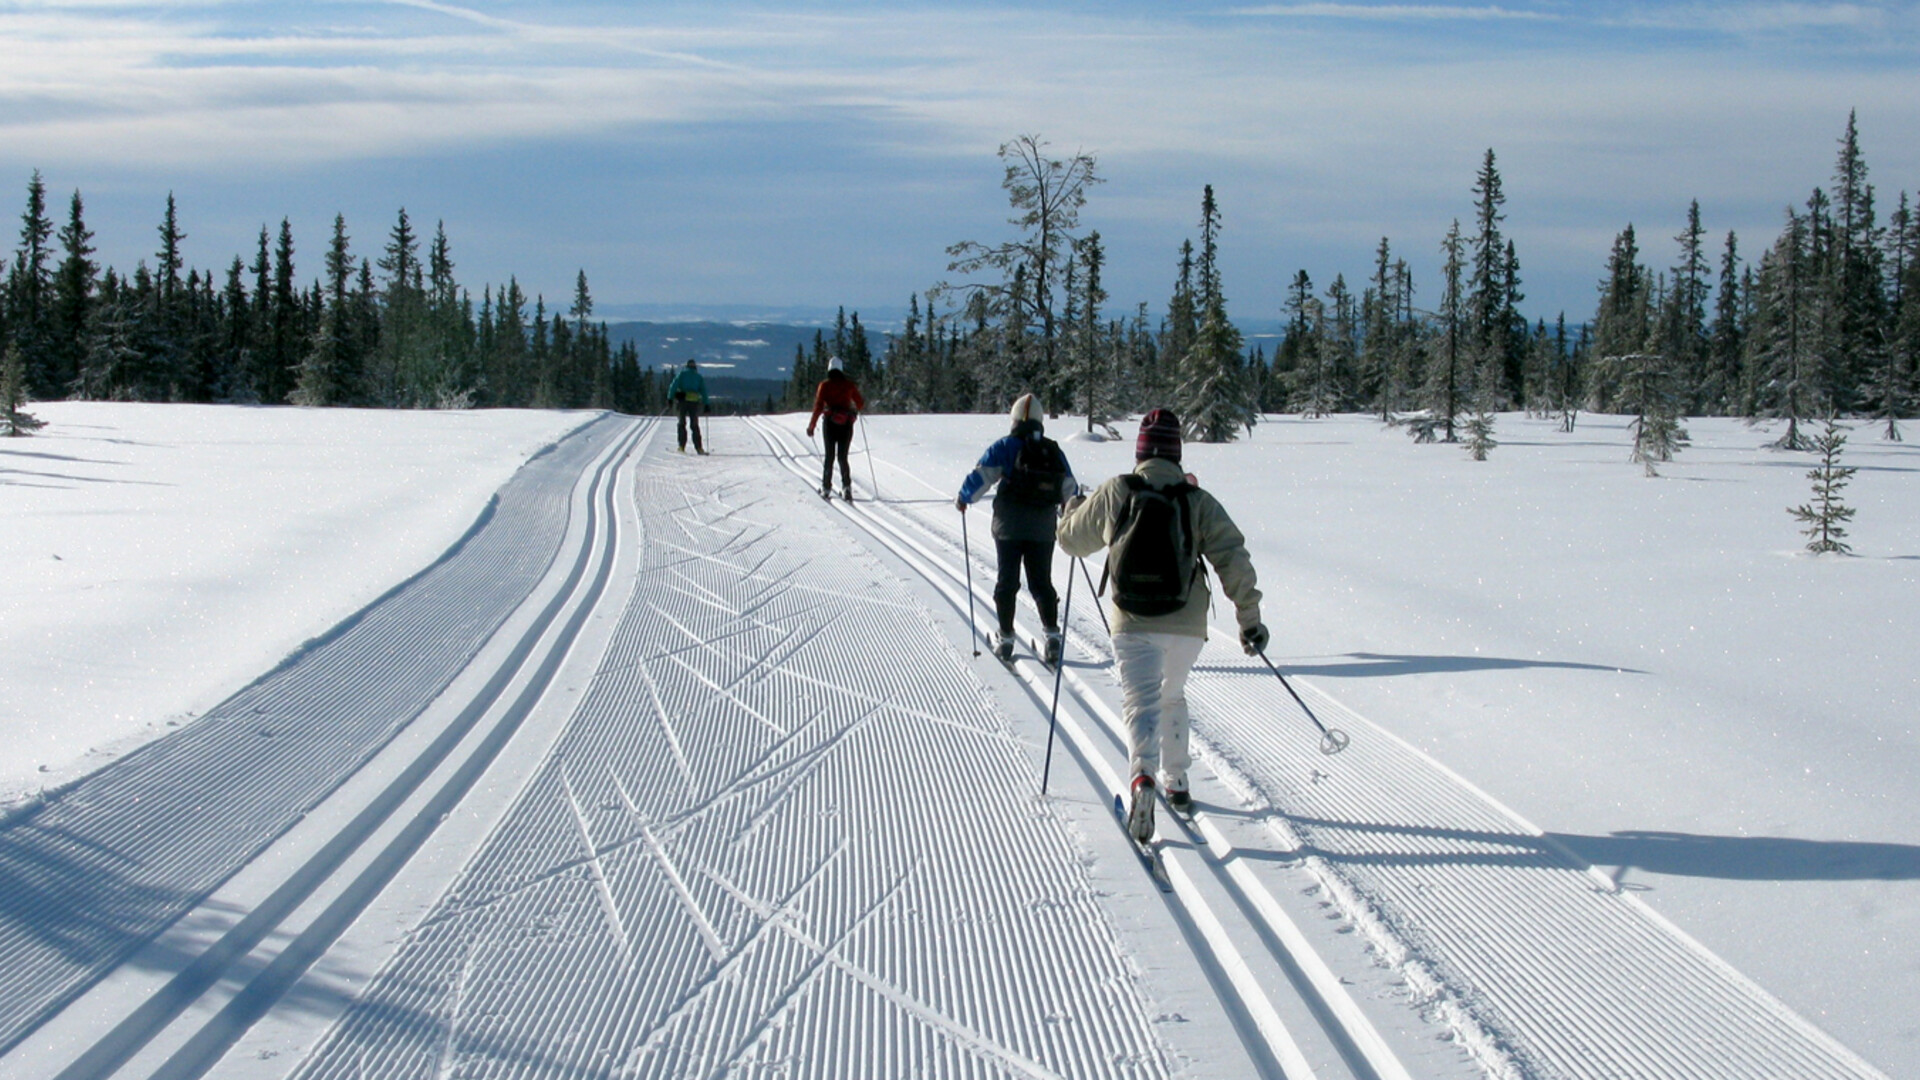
pixel 714 836
pixel 1517 624
pixel 102 867
pixel 157 558
pixel 743 856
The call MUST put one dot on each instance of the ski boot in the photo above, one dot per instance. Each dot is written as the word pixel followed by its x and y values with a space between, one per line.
pixel 826 492
pixel 1140 813
pixel 1003 646
pixel 1179 798
pixel 1056 644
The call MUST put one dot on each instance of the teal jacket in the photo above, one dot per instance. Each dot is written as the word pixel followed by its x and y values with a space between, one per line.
pixel 689 386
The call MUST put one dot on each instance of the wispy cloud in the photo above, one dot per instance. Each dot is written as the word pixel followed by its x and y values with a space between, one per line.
pixel 1392 12
pixel 1758 18
pixel 1322 125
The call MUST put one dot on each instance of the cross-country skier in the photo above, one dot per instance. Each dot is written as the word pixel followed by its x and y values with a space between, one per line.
pixel 1035 481
pixel 688 392
pixel 1162 573
pixel 838 397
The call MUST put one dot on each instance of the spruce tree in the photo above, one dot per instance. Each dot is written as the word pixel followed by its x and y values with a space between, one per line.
pixel 1492 293
pixel 326 375
pixel 74 285
pixel 1684 316
pixel 14 395
pixel 1721 389
pixel 1783 340
pixel 1620 323
pixel 1825 515
pixel 1447 383
pixel 1212 399
pixel 27 303
pixel 1380 369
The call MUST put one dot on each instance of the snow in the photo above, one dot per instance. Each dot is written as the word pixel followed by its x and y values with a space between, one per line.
pixel 1651 670
pixel 157 558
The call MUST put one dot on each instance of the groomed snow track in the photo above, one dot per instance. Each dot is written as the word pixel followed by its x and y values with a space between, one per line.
pixel 758 849
pixel 1537 963
pixel 619 788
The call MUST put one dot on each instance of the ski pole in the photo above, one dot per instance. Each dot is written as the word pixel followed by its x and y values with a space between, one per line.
pixel 1059 669
pixel 1095 593
pixel 966 556
pixel 1332 740
pixel 867 445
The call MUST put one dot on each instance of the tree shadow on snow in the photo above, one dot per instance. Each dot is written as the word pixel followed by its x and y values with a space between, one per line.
pixel 1382 665
pixel 1733 858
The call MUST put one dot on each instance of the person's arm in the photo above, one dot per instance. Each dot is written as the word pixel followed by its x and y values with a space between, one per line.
pixel 993 464
pixel 1083 529
pixel 859 401
pixel 819 406
pixel 1223 544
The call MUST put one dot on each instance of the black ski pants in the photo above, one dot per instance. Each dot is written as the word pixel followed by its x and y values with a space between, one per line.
pixel 1037 557
pixel 689 412
pixel 839 440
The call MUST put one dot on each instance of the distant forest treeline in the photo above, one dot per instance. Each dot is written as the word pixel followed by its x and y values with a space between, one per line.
pixel 397 332
pixel 1827 320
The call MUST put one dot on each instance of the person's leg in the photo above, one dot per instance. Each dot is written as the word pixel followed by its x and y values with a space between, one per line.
pixel 681 411
pixel 826 464
pixel 1180 652
pixel 693 420
pixel 1039 562
pixel 1006 587
pixel 1141 665
pixel 846 450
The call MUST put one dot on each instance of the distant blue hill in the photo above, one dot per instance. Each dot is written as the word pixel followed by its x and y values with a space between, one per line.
pixel 764 350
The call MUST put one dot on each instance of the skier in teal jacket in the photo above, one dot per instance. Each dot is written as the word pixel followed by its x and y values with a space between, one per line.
pixel 688 392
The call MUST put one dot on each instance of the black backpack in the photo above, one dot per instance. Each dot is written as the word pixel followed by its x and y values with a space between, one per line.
pixel 1039 473
pixel 1152 560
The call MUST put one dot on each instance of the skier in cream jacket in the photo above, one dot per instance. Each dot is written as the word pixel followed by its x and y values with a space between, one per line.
pixel 1155 653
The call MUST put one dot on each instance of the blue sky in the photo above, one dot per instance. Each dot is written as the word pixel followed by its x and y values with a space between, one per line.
pixel 813 155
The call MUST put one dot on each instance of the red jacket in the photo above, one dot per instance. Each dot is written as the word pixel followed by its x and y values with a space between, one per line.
pixel 838 397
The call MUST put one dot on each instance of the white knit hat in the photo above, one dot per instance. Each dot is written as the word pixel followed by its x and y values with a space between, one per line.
pixel 1024 409
pixel 834 363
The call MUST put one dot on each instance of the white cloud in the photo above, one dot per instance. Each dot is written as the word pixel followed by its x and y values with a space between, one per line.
pixel 1391 12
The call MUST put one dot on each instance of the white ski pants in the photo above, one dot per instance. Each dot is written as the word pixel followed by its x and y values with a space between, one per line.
pixel 1153 674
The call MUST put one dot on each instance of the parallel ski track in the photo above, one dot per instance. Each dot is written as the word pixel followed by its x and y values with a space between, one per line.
pixel 751 852
pixel 1347 1027
pixel 1541 964
pixel 101 868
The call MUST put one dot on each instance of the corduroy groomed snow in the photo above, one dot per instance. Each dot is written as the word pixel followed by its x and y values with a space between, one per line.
pixel 1159 436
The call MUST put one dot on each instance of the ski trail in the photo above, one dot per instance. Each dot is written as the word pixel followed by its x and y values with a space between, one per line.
pixel 1537 964
pixel 777 758
pixel 715 947
pixel 597 869
pixel 189 810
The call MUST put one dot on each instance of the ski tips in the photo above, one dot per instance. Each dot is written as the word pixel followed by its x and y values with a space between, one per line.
pixel 1333 741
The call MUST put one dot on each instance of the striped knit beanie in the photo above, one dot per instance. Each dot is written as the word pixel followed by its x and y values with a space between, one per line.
pixel 1159 436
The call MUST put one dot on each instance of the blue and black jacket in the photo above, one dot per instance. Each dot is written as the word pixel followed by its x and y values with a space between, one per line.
pixel 1012 519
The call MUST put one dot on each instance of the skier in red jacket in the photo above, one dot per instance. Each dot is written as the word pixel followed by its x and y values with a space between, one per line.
pixel 839 398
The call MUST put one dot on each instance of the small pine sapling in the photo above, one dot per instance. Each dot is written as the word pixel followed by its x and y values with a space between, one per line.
pixel 13 396
pixel 1826 516
pixel 1480 439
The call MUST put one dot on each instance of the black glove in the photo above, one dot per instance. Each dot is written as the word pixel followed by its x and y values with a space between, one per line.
pixel 1254 639
pixel 960 503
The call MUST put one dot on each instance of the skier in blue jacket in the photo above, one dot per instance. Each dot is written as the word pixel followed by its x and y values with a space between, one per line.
pixel 688 392
pixel 1035 481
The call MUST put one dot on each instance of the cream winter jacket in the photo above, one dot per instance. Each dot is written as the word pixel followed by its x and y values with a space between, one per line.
pixel 1089 527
